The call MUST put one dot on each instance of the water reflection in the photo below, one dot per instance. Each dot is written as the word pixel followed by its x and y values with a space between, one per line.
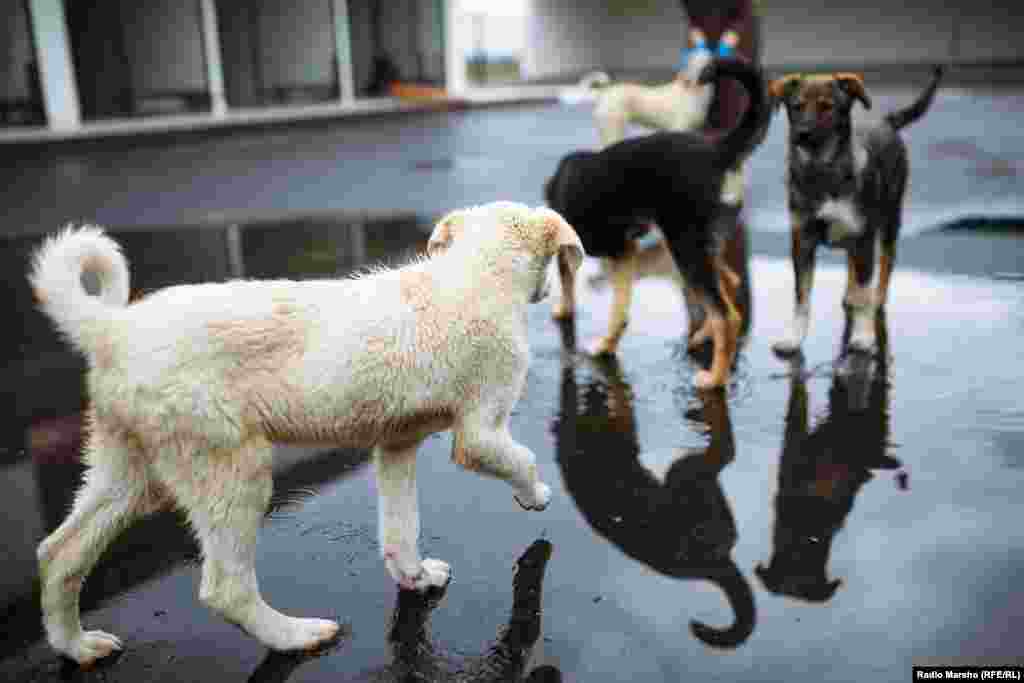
pixel 823 468
pixel 682 527
pixel 415 657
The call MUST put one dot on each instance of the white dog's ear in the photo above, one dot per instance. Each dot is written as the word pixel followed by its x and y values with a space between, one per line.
pixel 445 231
pixel 565 242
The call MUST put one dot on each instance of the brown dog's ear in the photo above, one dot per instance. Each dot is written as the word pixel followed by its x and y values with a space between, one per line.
pixel 853 84
pixel 445 232
pixel 781 89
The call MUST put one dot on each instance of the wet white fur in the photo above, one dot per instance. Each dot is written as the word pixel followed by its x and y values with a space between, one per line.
pixel 190 386
pixel 843 218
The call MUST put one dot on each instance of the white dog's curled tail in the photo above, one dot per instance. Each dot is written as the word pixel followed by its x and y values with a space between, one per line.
pixel 56 277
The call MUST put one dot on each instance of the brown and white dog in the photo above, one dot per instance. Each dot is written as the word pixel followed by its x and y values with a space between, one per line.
pixel 192 385
pixel 845 189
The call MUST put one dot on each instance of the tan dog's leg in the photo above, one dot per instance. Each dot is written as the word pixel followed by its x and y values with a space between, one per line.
pixel 116 492
pixel 226 501
pixel 399 520
pixel 611 116
pixel 623 271
pixel 482 446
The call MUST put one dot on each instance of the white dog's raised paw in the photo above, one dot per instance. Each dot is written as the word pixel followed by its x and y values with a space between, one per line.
pixel 539 500
pixel 305 634
pixel 433 574
pixel 90 647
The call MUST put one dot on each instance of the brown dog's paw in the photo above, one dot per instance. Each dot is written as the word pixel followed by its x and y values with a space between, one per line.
pixel 603 347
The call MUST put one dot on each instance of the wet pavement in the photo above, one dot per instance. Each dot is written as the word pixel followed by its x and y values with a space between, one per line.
pixel 966 156
pixel 827 518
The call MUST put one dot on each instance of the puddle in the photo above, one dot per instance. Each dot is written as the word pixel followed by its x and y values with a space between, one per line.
pixel 825 520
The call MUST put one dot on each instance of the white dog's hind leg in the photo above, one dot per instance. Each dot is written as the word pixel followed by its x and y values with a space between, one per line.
pixel 399 523
pixel 492 450
pixel 226 496
pixel 116 492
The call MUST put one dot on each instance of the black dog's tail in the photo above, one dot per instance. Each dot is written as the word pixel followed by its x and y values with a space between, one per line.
pixel 739 142
pixel 904 117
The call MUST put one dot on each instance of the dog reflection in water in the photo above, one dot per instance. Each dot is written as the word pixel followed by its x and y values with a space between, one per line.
pixel 414 657
pixel 682 527
pixel 823 469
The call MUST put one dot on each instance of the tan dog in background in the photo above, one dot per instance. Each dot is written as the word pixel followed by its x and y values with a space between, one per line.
pixel 192 385
pixel 681 104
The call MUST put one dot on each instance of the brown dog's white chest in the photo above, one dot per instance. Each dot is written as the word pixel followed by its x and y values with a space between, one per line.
pixel 843 220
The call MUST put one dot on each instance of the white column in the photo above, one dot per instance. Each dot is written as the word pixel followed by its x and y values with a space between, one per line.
pixel 343 50
pixel 454 55
pixel 56 72
pixel 214 65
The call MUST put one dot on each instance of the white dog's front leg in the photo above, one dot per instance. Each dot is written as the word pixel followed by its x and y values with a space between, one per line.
pixel 400 521
pixel 493 451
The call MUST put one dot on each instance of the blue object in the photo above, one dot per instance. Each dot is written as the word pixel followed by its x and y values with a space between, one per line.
pixel 685 54
pixel 648 240
pixel 725 50
pixel 684 57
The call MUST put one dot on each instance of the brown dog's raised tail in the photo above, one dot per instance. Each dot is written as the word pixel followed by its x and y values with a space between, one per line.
pixel 904 117
pixel 739 142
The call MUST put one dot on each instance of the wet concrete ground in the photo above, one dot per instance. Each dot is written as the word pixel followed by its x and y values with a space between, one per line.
pixel 845 515
pixel 830 519
pixel 967 157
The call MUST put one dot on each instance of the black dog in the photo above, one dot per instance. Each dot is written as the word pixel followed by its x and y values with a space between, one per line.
pixel 845 190
pixel 674 180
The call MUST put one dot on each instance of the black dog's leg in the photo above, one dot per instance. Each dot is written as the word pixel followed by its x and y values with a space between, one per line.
pixel 802 250
pixel 721 317
pixel 887 258
pixel 860 297
pixel 729 283
pixel 623 271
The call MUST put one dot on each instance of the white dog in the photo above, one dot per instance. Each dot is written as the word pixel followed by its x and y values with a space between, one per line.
pixel 191 385
pixel 681 104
